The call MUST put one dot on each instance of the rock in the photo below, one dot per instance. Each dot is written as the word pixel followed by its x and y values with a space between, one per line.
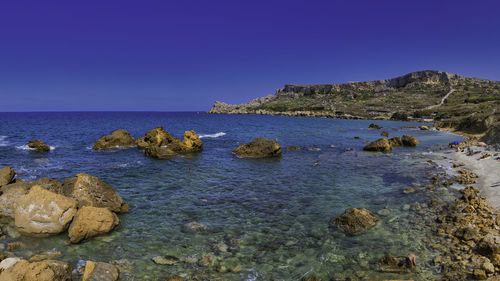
pixel 43 213
pixel 174 278
pixel 374 126
pixel 468 232
pixel 390 263
pixel 45 256
pixel 38 145
pixel 385 134
pixel 48 183
pixel 488 267
pixel 489 245
pixel 381 145
pixel 49 270
pixel 191 143
pixel 8 262
pixel 207 260
pixel 395 141
pixel 259 148
pixel 408 140
pixel 356 220
pixel 12 246
pixel 194 227
pixel 100 271
pixel 119 138
pixel 90 222
pixel 156 137
pixel 220 247
pixel 293 148
pixel 166 260
pixel 6 175
pixel 88 190
pixel 311 277
pixel 409 190
pixel 160 152
pixel 479 274
pixel 423 127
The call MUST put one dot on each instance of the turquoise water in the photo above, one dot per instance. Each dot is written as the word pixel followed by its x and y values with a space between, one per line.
pixel 273 214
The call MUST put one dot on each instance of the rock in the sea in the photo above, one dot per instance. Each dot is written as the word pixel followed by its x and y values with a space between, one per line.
pixel 166 260
pixel 90 222
pixel 489 245
pixel 374 126
pixel 423 127
pixel 43 213
pixel 119 138
pixel 385 134
pixel 259 148
pixel 408 140
pixel 38 145
pixel 395 141
pixel 88 190
pixel 6 175
pixel 160 152
pixel 194 227
pixel 191 143
pixel 48 270
pixel 100 271
pixel 156 137
pixel 356 220
pixel 382 145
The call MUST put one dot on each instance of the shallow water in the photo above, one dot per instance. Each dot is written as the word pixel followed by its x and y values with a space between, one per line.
pixel 278 210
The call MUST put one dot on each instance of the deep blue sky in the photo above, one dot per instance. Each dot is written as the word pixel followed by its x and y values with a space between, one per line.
pixel 184 55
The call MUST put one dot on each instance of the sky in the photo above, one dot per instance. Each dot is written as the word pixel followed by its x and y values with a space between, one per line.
pixel 184 55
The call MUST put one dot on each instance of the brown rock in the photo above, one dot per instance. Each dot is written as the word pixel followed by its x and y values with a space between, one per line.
pixel 156 137
pixel 356 220
pixel 385 134
pixel 259 148
pixel 191 143
pixel 38 145
pixel 6 175
pixel 43 213
pixel 100 271
pixel 489 245
pixel 88 190
pixel 408 140
pixel 160 152
pixel 90 222
pixel 119 138
pixel 10 194
pixel 381 145
pixel 395 141
pixel 48 270
pixel 479 274
pixel 374 126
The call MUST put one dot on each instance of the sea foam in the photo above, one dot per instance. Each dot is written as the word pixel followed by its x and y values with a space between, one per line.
pixel 26 147
pixel 3 142
pixel 216 135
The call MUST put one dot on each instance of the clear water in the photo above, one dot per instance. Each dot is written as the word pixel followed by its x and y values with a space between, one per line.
pixel 279 209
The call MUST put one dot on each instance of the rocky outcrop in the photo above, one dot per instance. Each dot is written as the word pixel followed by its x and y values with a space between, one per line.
pixel 48 270
pixel 356 220
pixel 43 213
pixel 380 145
pixel 395 141
pixel 259 148
pixel 191 143
pixel 6 175
pixel 38 145
pixel 374 126
pixel 100 271
pixel 156 137
pixel 160 152
pixel 160 144
pixel 119 138
pixel 88 190
pixel 90 222
pixel 408 140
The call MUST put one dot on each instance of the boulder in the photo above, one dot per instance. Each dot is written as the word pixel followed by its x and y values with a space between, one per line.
pixel 408 140
pixel 382 145
pixel 489 245
pixel 374 126
pixel 43 213
pixel 395 141
pixel 160 152
pixel 38 145
pixel 48 270
pixel 385 134
pixel 6 175
pixel 424 128
pixel 356 220
pixel 88 190
pixel 91 221
pixel 48 183
pixel 100 271
pixel 119 138
pixel 156 137
pixel 191 143
pixel 259 148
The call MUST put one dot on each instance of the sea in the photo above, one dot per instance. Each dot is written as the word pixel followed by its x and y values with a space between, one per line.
pixel 272 216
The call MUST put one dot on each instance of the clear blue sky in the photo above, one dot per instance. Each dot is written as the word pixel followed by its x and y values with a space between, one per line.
pixel 184 55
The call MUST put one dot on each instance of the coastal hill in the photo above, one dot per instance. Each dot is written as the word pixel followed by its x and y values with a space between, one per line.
pixel 467 104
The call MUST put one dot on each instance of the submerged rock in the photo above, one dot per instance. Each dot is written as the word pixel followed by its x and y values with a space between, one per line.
pixel 38 145
pixel 166 260
pixel 88 190
pixel 120 138
pixel 381 145
pixel 356 220
pixel 6 175
pixel 374 126
pixel 90 222
pixel 100 271
pixel 259 148
pixel 43 213
pixel 160 152
pixel 408 140
pixel 292 148
pixel 49 270
pixel 194 227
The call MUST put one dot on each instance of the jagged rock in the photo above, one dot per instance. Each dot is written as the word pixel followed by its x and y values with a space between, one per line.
pixel 191 143
pixel 91 221
pixel 374 126
pixel 43 213
pixel 48 270
pixel 259 148
pixel 160 152
pixel 100 271
pixel 382 145
pixel 6 175
pixel 356 220
pixel 119 138
pixel 38 145
pixel 395 141
pixel 385 134
pixel 408 140
pixel 156 137
pixel 88 190
pixel 489 245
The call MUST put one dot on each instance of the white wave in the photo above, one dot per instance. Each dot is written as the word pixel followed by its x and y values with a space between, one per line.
pixel 3 142
pixel 216 135
pixel 26 147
